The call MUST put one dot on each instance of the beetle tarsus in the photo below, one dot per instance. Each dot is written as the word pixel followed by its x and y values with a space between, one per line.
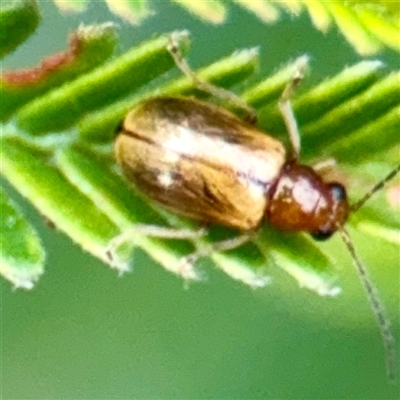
pixel 187 267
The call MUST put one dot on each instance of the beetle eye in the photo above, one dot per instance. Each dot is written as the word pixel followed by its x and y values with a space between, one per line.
pixel 338 191
pixel 322 235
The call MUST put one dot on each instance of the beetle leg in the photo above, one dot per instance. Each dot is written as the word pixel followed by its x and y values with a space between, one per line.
pixel 207 87
pixel 152 231
pixel 187 263
pixel 286 107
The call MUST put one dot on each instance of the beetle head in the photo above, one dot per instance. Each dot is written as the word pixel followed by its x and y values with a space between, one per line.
pixel 302 201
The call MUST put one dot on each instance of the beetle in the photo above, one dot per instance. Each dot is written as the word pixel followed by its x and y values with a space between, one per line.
pixel 201 161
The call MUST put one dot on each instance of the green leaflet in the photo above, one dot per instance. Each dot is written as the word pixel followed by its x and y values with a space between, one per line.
pixel 373 137
pixel 358 111
pixel 22 255
pixel 18 20
pixel 55 198
pixel 90 46
pixel 301 258
pixel 212 11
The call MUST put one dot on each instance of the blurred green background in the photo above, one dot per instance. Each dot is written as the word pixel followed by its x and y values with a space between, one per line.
pixel 85 333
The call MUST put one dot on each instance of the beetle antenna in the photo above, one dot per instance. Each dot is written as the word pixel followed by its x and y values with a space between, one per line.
pixel 377 307
pixel 356 206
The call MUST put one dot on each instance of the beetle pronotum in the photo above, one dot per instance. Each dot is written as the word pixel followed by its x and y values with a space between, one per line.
pixel 201 161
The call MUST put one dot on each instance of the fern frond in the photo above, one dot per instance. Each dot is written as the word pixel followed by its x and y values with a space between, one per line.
pixel 56 149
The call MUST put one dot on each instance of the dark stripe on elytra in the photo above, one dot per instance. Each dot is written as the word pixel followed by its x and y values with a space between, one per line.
pixel 204 162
